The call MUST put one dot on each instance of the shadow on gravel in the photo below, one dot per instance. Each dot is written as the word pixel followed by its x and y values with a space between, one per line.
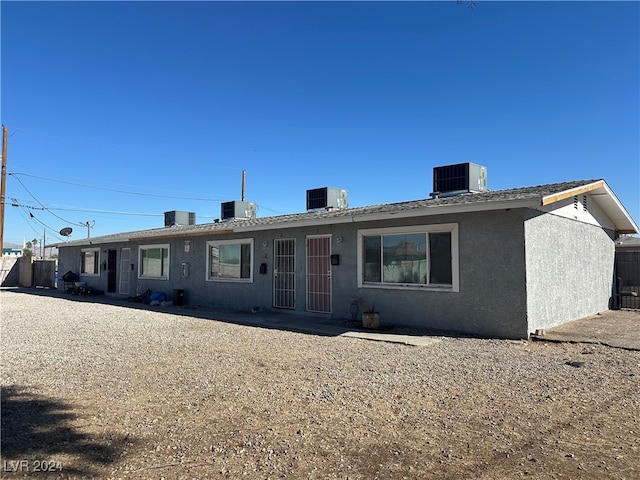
pixel 299 322
pixel 38 427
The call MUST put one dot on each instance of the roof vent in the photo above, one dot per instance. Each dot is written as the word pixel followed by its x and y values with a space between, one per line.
pixel 326 198
pixel 179 218
pixel 238 210
pixel 450 180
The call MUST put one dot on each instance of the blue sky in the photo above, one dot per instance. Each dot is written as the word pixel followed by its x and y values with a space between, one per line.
pixel 120 111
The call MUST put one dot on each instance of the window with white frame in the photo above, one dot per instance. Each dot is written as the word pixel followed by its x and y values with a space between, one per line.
pixel 230 260
pixel 90 261
pixel 154 261
pixel 409 257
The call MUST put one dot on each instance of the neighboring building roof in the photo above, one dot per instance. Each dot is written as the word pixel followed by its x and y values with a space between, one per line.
pixel 628 243
pixel 470 202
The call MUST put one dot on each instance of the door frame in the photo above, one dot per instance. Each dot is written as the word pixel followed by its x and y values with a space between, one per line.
pixel 318 286
pixel 284 297
pixel 112 270
pixel 124 280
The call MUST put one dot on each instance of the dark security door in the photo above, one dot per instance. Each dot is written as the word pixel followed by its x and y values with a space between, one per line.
pixel 112 276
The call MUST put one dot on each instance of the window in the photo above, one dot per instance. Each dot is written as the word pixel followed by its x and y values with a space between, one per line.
pixel 154 261
pixel 230 260
pixel 90 260
pixel 409 257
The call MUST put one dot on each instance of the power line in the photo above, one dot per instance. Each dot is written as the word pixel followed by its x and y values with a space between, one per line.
pixel 34 218
pixel 84 224
pixel 15 174
pixel 27 221
pixel 43 206
pixel 87 224
pixel 47 227
pixel 88 210
pixel 16 203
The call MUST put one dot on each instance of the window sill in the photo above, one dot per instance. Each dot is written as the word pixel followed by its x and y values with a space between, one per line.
pixel 230 280
pixel 422 288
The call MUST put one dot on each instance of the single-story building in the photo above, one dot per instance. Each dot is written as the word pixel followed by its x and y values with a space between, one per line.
pixel 492 263
pixel 628 243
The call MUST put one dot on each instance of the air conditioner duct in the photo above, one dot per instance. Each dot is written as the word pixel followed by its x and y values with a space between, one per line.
pixel 179 218
pixel 326 198
pixel 450 180
pixel 236 210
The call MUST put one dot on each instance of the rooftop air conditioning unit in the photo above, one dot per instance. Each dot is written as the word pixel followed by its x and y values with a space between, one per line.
pixel 452 180
pixel 238 210
pixel 179 218
pixel 326 198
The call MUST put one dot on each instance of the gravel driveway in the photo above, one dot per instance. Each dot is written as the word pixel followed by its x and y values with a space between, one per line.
pixel 91 390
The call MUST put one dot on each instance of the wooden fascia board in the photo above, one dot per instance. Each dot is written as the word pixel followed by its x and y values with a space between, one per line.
pixel 556 197
pixel 608 201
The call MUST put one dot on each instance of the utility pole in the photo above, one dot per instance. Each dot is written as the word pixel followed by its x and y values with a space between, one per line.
pixel 244 176
pixel 89 226
pixel 3 183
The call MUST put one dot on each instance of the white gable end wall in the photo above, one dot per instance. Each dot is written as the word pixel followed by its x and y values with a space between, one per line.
pixel 569 269
pixel 582 208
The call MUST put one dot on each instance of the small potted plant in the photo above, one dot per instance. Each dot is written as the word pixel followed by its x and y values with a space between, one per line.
pixel 370 318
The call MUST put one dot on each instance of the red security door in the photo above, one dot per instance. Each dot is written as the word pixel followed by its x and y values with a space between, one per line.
pixel 319 274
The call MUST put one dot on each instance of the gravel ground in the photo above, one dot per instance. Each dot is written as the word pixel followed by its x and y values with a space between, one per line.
pixel 103 391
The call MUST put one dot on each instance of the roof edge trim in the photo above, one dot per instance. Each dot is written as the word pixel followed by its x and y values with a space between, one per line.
pixel 419 212
pixel 556 197
pixel 623 210
pixel 185 234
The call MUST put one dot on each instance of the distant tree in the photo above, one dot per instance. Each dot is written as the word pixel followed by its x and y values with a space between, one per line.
pixel 30 247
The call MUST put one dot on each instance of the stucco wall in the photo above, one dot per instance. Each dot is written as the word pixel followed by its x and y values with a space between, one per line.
pixel 491 296
pixel 198 291
pixel 9 271
pixel 491 299
pixel 569 269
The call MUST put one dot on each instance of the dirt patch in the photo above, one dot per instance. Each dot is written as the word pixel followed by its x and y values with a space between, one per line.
pixel 614 328
pixel 109 392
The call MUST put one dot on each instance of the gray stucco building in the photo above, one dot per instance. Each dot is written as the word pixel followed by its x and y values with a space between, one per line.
pixel 492 263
